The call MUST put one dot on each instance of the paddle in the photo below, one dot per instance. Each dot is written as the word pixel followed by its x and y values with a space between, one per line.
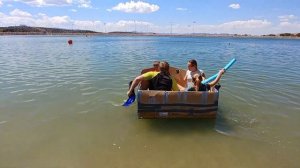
pixel 215 76
pixel 130 99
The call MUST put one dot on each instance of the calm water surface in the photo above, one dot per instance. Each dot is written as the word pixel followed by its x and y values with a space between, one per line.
pixel 60 104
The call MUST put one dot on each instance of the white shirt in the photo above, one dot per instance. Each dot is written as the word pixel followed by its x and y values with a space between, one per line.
pixel 189 76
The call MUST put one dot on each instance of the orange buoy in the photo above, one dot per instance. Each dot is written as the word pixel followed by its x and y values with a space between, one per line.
pixel 70 42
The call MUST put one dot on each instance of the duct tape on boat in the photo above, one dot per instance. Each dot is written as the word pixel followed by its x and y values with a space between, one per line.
pixel 163 114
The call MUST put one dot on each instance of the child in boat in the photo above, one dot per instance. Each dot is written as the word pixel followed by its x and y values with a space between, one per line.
pixel 205 87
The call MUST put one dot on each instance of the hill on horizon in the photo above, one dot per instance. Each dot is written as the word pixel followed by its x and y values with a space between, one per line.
pixel 42 30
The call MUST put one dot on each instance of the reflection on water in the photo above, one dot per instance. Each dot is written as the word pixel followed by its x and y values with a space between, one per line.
pixel 60 104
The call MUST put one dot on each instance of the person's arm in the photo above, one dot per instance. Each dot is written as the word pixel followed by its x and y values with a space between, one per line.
pixel 181 88
pixel 175 86
pixel 135 82
pixel 214 82
pixel 203 74
pixel 185 80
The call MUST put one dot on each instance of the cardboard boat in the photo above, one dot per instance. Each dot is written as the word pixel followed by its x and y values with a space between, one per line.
pixel 154 104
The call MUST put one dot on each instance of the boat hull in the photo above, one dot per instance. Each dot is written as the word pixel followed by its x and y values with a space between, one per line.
pixel 174 104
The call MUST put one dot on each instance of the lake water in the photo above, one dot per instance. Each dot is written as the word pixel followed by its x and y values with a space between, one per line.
pixel 60 104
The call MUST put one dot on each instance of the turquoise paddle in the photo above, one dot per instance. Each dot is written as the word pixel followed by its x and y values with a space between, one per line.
pixel 215 75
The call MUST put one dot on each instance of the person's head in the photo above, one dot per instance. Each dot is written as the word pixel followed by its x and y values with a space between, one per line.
pixel 164 66
pixel 192 65
pixel 196 78
pixel 156 65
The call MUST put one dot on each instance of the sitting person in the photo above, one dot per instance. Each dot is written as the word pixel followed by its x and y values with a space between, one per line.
pixel 161 80
pixel 205 87
pixel 192 71
pixel 156 66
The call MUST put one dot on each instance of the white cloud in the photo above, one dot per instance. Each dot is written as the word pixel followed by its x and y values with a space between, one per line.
pixel 130 26
pixel 287 18
pixel 9 5
pixel 234 6
pixel 233 27
pixel 248 24
pixel 59 19
pixel 135 7
pixel 84 4
pixel 1 3
pixel 20 13
pixel 43 20
pixel 289 23
pixel 18 17
pixel 245 27
pixel 73 10
pixel 132 23
pixel 290 27
pixel 181 9
pixel 88 25
pixel 41 3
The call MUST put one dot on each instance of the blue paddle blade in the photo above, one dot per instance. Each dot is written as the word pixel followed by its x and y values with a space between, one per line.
pixel 129 101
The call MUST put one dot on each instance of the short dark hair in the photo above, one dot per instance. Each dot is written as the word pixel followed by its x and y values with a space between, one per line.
pixel 164 66
pixel 156 63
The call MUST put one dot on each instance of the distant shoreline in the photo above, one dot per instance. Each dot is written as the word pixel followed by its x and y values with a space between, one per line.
pixel 44 31
pixel 143 34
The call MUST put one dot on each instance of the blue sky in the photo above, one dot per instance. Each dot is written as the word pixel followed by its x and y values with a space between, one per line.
pixel 178 16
